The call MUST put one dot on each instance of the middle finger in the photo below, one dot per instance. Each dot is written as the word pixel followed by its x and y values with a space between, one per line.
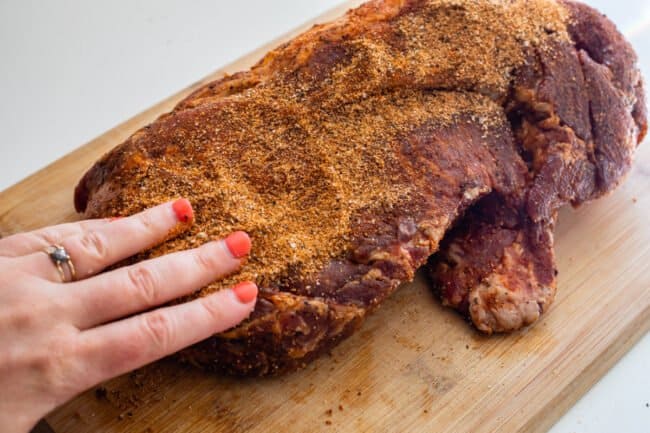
pixel 153 282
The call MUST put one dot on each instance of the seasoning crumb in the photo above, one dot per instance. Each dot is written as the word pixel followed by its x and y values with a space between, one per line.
pixel 328 412
pixel 341 407
pixel 328 422
pixel 101 393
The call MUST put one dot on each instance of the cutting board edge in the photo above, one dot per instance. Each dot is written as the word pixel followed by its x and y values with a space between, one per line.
pixel 555 408
pixel 545 418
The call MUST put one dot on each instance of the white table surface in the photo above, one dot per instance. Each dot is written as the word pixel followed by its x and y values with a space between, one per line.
pixel 70 70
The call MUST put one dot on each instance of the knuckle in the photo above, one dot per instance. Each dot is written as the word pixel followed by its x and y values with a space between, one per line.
pixel 206 260
pixel 54 365
pixel 214 258
pixel 95 245
pixel 144 284
pixel 148 222
pixel 43 366
pixel 21 313
pixel 213 306
pixel 158 330
pixel 23 319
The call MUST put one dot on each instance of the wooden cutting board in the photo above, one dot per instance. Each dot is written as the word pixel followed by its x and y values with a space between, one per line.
pixel 414 366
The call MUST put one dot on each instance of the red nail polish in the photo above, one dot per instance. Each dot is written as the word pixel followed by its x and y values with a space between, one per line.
pixel 183 210
pixel 239 244
pixel 246 291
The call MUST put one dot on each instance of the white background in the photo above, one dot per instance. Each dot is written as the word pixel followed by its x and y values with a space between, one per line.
pixel 70 70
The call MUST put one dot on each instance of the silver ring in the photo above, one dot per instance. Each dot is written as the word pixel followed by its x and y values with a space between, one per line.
pixel 60 257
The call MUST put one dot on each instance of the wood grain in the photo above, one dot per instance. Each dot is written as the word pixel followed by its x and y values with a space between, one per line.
pixel 414 366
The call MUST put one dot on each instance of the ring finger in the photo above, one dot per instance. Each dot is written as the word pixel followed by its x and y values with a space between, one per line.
pixel 102 246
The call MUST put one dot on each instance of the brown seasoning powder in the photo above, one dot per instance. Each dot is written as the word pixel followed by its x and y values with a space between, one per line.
pixel 298 152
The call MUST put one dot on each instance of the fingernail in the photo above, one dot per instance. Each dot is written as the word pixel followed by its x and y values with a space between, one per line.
pixel 239 244
pixel 183 210
pixel 246 291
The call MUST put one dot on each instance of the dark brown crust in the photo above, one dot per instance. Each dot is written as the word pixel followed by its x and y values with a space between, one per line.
pixel 561 130
pixel 496 266
pixel 578 113
pixel 303 318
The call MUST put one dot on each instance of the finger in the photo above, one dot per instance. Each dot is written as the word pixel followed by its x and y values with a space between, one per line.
pixel 40 265
pixel 123 346
pixel 97 249
pixel 22 244
pixel 151 283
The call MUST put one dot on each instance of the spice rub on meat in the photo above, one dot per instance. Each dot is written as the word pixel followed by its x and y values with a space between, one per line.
pixel 357 150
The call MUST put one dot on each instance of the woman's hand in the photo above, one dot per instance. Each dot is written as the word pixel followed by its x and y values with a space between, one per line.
pixel 58 339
